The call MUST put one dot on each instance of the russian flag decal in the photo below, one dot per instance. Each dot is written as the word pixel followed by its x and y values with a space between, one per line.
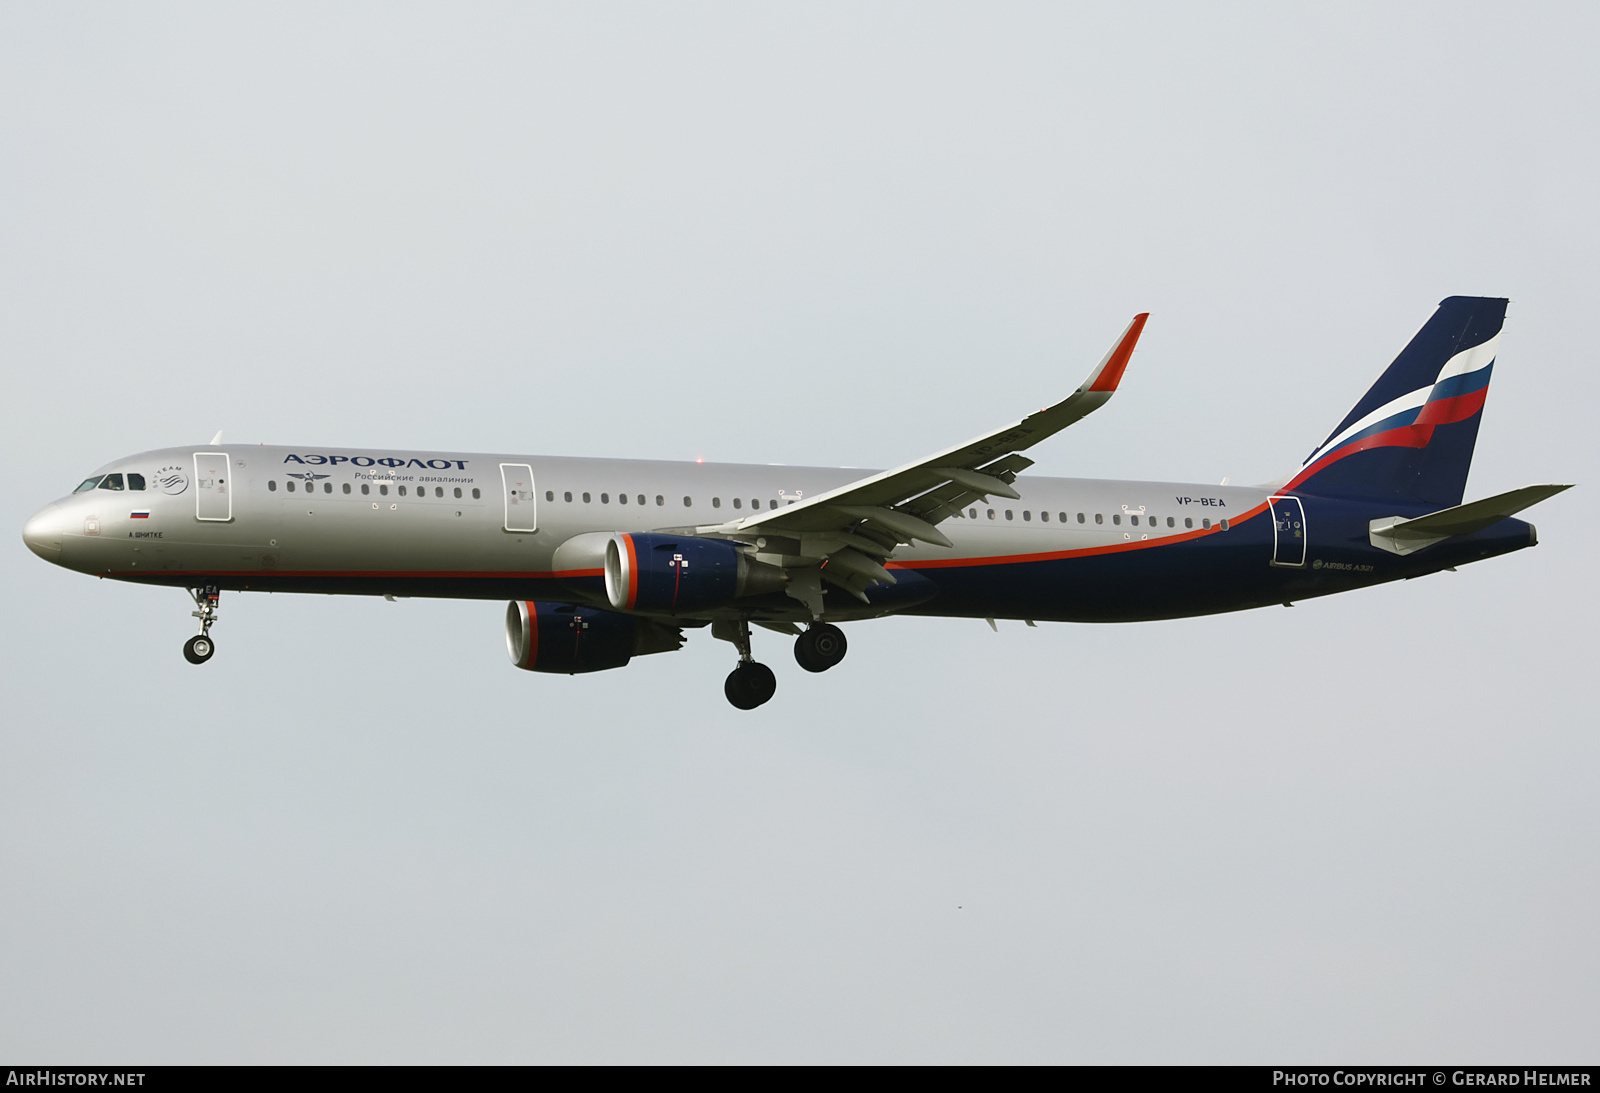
pixel 139 514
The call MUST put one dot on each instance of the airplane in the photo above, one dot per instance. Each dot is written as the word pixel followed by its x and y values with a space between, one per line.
pixel 603 560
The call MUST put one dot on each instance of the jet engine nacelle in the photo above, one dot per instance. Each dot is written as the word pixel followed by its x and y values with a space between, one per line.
pixel 674 574
pixel 566 638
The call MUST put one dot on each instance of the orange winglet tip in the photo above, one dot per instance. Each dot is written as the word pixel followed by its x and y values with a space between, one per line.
pixel 1116 361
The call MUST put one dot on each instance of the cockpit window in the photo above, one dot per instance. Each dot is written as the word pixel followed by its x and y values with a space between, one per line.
pixel 89 483
pixel 136 481
pixel 111 482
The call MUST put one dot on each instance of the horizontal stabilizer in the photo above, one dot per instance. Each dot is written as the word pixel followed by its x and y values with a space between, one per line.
pixel 1402 536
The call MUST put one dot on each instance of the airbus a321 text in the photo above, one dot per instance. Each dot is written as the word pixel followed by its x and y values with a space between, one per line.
pixel 604 560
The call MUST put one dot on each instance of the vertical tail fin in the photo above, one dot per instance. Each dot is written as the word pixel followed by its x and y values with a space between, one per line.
pixel 1411 437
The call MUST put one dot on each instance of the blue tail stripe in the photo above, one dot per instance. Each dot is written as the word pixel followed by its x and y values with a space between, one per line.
pixel 1460 323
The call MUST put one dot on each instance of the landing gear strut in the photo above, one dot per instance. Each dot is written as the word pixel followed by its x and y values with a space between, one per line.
pixel 750 684
pixel 820 647
pixel 198 649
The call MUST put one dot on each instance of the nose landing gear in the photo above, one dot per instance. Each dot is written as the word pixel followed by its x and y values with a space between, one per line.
pixel 198 649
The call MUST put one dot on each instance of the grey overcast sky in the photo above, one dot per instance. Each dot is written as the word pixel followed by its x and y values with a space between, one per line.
pixel 844 234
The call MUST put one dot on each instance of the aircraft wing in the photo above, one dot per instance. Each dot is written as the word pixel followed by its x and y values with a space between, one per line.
pixel 857 525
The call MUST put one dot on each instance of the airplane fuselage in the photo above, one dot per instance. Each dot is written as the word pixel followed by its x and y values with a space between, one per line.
pixel 486 526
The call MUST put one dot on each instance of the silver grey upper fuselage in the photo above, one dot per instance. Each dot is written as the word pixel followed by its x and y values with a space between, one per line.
pixel 349 520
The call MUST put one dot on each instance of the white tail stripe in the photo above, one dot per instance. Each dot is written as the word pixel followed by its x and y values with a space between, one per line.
pixel 1468 360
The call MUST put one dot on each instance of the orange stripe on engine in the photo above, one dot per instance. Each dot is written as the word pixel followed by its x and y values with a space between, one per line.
pixel 633 572
pixel 533 634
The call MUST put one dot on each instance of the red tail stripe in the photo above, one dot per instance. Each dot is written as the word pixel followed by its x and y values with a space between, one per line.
pixel 1447 411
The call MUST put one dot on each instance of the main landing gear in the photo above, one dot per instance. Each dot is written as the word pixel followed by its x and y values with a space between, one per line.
pixel 820 647
pixel 751 684
pixel 198 649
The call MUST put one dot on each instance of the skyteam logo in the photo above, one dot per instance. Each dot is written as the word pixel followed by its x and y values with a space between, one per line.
pixel 390 461
pixel 172 480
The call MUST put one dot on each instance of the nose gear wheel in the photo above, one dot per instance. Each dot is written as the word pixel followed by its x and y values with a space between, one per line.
pixel 198 649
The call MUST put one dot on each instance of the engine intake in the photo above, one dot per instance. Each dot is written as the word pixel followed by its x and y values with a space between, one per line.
pixel 568 639
pixel 675 574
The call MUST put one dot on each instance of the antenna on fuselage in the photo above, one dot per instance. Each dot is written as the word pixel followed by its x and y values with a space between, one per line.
pixel 216 439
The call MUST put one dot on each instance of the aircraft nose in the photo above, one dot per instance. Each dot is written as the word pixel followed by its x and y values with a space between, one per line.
pixel 42 533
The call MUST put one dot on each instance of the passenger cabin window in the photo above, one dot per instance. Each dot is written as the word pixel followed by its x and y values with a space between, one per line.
pixel 660 500
pixel 88 484
pixel 475 493
pixel 585 496
pixel 111 482
pixel 716 502
pixel 272 486
pixel 622 499
pixel 1099 518
pixel 346 487
pixel 1027 514
pixel 972 514
pixel 402 491
pixel 737 503
pixel 1134 520
pixel 773 503
pixel 1171 523
pixel 567 497
pixel 458 493
pixel 365 488
pixel 438 491
pixel 383 490
pixel 1045 516
pixel 687 502
pixel 289 485
pixel 605 499
pixel 641 499
pixel 1206 522
pixel 550 495
pixel 1188 521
